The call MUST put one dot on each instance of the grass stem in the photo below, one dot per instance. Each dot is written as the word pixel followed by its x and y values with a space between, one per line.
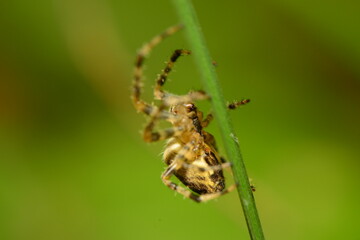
pixel 203 60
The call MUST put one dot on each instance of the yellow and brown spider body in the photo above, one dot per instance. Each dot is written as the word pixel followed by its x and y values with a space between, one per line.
pixel 190 152
pixel 199 156
pixel 200 178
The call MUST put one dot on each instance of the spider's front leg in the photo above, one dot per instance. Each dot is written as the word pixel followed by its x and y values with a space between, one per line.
pixel 151 136
pixel 160 81
pixel 170 99
pixel 140 104
pixel 230 106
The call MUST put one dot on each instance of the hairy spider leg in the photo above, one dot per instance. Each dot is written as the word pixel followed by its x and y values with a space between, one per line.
pixel 151 136
pixel 236 104
pixel 207 120
pixel 140 104
pixel 154 111
pixel 230 106
pixel 172 99
pixel 160 81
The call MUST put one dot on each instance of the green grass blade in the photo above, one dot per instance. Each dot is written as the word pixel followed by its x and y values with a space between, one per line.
pixel 202 57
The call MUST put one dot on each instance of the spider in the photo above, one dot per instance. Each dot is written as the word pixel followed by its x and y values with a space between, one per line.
pixel 190 152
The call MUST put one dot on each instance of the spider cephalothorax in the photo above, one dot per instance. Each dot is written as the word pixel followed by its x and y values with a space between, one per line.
pixel 190 152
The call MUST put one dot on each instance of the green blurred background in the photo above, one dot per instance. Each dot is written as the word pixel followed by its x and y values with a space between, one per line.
pixel 72 161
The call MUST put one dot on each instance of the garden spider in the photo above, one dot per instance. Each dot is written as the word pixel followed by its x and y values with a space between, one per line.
pixel 190 152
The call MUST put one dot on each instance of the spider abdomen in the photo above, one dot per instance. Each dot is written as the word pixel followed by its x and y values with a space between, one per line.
pixel 197 174
pixel 201 182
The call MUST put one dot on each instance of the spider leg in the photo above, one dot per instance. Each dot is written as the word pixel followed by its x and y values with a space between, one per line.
pixel 210 196
pixel 207 120
pixel 236 104
pixel 171 100
pixel 160 81
pixel 139 104
pixel 151 136
pixel 230 106
pixel 208 168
